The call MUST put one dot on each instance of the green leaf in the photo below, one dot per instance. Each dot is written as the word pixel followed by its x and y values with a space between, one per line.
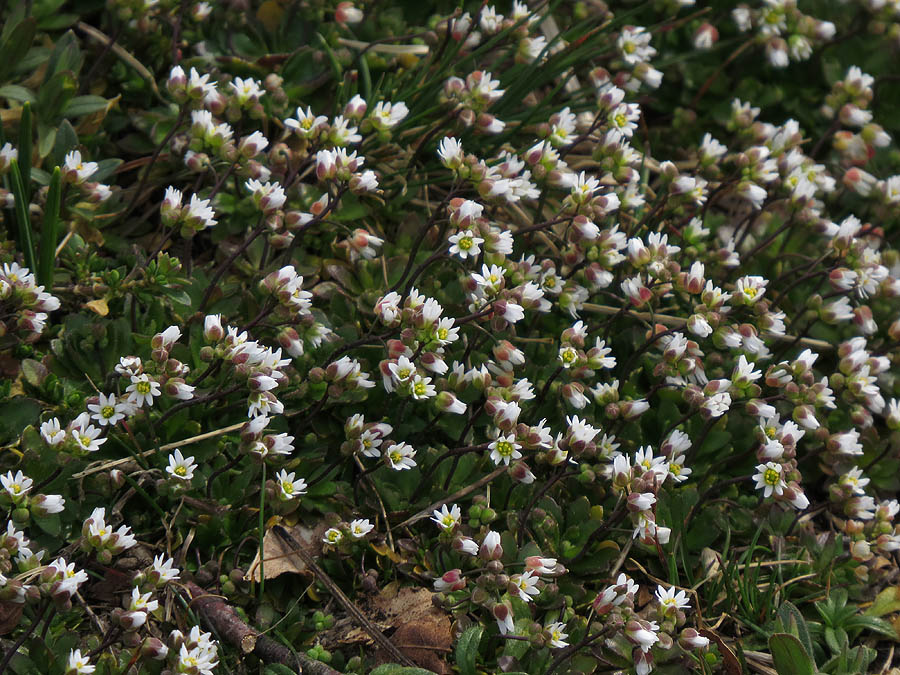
pixel 793 621
pixel 84 105
pixel 15 92
pixel 278 669
pixel 16 45
pixel 789 656
pixel 394 669
pixel 54 95
pixel 871 623
pixel 15 415
pixel 66 56
pixel 49 524
pixel 467 650
pixel 66 140
pixel 886 602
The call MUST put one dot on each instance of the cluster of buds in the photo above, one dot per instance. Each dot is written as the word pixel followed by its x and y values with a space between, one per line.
pixel 848 102
pixel 475 234
pixel 194 89
pixel 471 98
pixel 102 540
pixel 343 535
pixel 244 97
pixel 15 497
pixel 190 218
pixel 77 172
pixel 208 135
pixel 633 62
pixel 261 367
pixel 59 581
pixel 786 32
pixel 135 610
pixel 24 304
pixel 193 654
pixel 869 525
pixel 343 375
pixel 640 482
pixel 364 438
pixel 260 445
pixel 338 165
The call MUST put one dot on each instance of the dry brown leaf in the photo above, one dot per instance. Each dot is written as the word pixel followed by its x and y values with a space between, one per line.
pixel 279 556
pixel 423 631
pixel 99 306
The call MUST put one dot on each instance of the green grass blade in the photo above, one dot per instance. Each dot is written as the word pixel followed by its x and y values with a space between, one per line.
pixel 49 231
pixel 26 131
pixel 21 208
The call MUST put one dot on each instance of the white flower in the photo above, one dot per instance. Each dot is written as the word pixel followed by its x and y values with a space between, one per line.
pixel 165 569
pixel 87 436
pixel 447 519
pixel 107 411
pixel 642 633
pixel 52 432
pixel 717 404
pixel 526 584
pixel 505 449
pixel 142 390
pixel 465 244
pixel 451 153
pixel 332 536
pixel 288 488
pixel 307 124
pixel 557 636
pixel 78 663
pixel 769 479
pixel 181 467
pixel 400 456
pixel 360 528
pixel 77 171
pixel 669 600
pixel 388 115
pixel 16 485
pixel 141 601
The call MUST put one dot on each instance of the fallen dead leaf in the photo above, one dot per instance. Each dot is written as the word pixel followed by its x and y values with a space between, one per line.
pixel 279 556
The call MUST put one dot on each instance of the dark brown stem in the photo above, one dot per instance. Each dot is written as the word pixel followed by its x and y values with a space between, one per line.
pixel 24 636
pixel 342 599
pixel 226 623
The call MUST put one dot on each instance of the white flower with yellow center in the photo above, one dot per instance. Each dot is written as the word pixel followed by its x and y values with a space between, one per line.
pixel 360 528
pixel 288 488
pixel 504 449
pixel 465 244
pixel 400 457
pixel 107 410
pixel 769 479
pixel 446 518
pixel 181 467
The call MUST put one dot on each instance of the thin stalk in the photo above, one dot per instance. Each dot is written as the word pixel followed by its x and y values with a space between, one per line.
pixel 262 532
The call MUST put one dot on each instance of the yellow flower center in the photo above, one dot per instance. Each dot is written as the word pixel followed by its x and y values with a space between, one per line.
pixel 107 411
pixel 180 471
pixel 442 333
pixel 420 388
pixel 629 47
pixel 568 355
pixel 465 243
pixel 771 477
pixel 287 487
pixel 750 292
pixel 395 457
pixel 505 448
pixel 770 431
pixel 143 388
pixel 447 521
